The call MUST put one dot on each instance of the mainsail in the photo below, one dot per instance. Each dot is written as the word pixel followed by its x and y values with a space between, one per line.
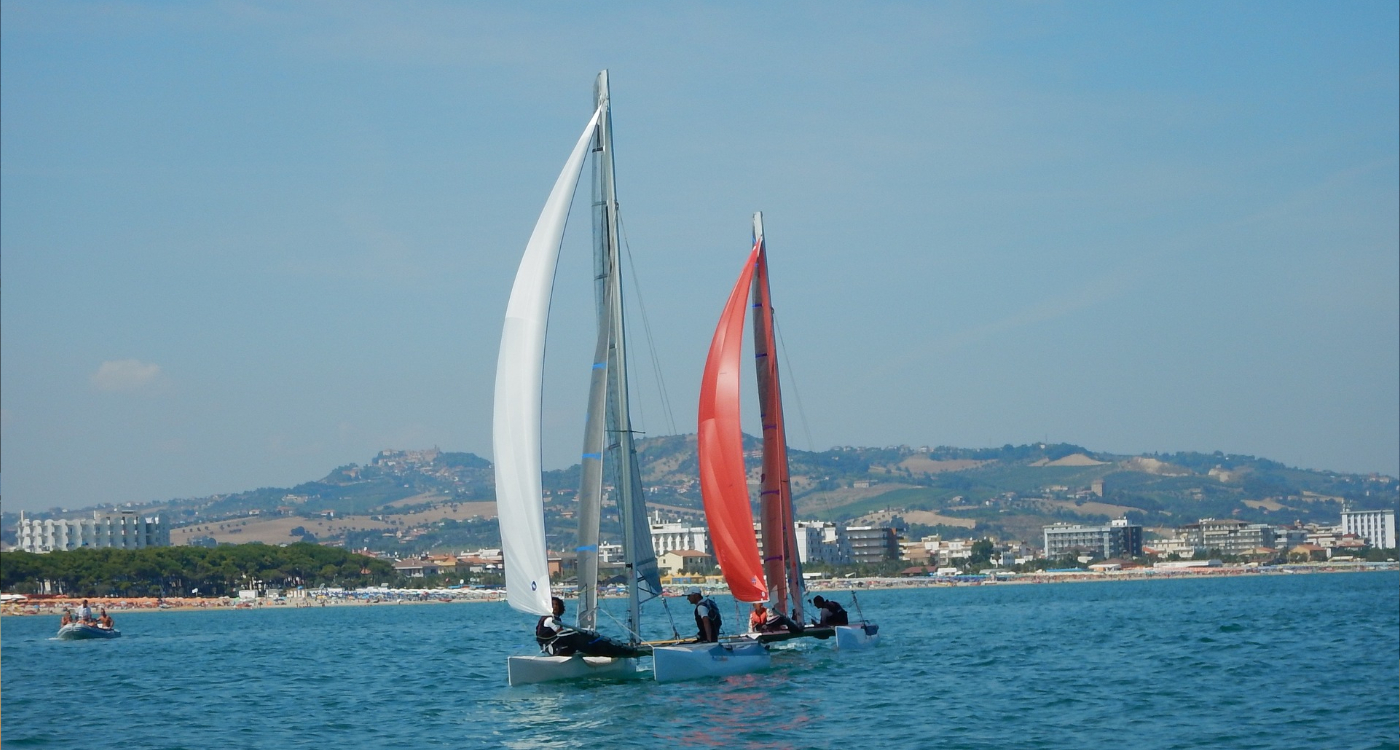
pixel 781 564
pixel 519 378
pixel 608 430
pixel 723 479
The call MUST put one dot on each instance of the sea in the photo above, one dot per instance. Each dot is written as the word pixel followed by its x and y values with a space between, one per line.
pixel 1251 661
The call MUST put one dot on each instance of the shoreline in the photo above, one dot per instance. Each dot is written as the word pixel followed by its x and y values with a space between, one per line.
pixel 393 597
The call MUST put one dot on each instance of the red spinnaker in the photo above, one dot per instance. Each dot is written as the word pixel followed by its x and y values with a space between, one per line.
pixel 723 480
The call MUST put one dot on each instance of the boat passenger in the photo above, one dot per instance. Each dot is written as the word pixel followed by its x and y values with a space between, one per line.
pixel 67 619
pixel 104 620
pixel 85 613
pixel 707 617
pixel 557 639
pixel 549 630
pixel 758 619
pixel 829 612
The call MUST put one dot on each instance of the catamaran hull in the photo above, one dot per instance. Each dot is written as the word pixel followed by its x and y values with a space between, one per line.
pixel 527 670
pixel 78 632
pixel 856 637
pixel 696 660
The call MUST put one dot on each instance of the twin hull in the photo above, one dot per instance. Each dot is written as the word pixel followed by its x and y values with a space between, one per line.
pixel 526 670
pixel 691 661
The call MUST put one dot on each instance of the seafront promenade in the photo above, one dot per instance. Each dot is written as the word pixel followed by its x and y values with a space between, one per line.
pixel 370 597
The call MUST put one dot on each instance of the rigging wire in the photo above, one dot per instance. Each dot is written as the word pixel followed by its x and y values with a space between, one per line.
pixel 801 412
pixel 646 326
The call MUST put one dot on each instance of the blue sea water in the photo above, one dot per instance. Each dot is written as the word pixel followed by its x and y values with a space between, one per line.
pixel 1243 662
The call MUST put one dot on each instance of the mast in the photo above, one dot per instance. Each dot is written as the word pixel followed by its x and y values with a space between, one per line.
pixel 636 537
pixel 781 565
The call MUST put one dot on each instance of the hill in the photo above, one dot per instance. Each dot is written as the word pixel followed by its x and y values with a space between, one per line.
pixel 410 501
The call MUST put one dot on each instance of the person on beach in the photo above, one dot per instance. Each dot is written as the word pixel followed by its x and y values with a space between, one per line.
pixel 830 613
pixel 707 617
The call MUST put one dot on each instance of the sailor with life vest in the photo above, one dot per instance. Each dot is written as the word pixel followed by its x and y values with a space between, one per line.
pixel 557 639
pixel 707 618
pixel 831 613
pixel 549 629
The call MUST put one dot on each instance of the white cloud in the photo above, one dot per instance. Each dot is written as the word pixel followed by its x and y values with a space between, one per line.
pixel 124 375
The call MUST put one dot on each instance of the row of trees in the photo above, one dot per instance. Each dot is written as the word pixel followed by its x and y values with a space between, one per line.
pixel 179 571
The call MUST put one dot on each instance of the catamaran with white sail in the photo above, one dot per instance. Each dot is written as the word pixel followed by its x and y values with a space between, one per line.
pixel 608 429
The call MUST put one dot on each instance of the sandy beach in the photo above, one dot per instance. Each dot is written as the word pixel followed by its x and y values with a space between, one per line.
pixel 317 598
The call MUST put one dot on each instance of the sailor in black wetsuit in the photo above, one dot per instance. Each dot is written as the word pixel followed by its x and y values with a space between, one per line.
pixel 829 612
pixel 557 639
pixel 551 628
pixel 707 617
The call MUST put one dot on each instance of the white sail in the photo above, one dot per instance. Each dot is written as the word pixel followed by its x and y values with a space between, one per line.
pixel 519 378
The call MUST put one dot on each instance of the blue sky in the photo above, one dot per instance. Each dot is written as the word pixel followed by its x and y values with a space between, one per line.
pixel 244 243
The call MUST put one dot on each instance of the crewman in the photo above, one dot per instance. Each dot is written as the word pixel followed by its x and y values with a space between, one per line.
pixel 549 629
pixel 707 617
pixel 830 613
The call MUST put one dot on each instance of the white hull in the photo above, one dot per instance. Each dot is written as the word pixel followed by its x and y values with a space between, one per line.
pixel 527 670
pixel 696 660
pixel 855 637
pixel 78 632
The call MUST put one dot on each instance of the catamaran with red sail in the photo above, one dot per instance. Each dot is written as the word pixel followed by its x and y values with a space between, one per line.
pixel 774 575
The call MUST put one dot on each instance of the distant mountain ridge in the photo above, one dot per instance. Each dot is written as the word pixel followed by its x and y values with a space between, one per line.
pixel 433 496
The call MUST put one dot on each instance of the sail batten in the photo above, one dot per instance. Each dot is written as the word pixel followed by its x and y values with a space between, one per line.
pixel 519 379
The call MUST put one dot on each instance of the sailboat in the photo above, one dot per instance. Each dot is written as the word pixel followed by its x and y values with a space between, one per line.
pixel 777 576
pixel 607 431
pixel 774 575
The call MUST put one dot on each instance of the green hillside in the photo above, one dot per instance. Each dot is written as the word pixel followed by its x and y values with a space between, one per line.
pixel 1008 492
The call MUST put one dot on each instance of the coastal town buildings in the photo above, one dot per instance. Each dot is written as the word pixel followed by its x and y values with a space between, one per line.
pixel 1228 536
pixel 872 544
pixel 685 561
pixel 667 536
pixel 1377 527
pixel 1118 539
pixel 105 530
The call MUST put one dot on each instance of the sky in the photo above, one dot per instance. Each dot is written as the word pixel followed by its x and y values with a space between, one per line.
pixel 243 243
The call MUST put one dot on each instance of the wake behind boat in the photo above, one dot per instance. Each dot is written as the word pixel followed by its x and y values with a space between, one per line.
pixel 77 631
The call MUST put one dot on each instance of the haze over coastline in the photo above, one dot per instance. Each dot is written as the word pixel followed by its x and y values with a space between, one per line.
pixel 243 243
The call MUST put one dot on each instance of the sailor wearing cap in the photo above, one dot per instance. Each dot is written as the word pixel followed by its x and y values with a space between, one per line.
pixel 707 619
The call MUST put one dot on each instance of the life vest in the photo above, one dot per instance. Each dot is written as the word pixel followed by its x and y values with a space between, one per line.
pixel 836 614
pixel 713 617
pixel 545 633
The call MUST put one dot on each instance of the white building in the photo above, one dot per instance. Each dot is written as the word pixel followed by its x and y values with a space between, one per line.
pixel 823 542
pixel 120 530
pixel 672 536
pixel 1377 527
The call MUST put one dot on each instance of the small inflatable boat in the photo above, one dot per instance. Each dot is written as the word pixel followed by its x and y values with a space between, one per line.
pixel 77 631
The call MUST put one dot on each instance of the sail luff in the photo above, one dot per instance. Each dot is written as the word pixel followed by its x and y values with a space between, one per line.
pixel 519 379
pixel 643 573
pixel 781 563
pixel 723 479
